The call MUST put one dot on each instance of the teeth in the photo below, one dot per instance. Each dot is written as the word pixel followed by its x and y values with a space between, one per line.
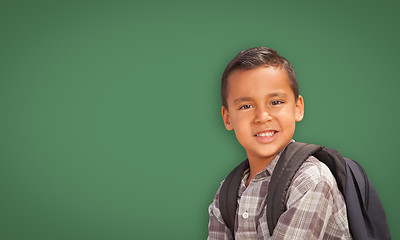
pixel 266 134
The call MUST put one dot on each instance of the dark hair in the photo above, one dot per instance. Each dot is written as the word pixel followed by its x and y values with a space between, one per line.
pixel 255 57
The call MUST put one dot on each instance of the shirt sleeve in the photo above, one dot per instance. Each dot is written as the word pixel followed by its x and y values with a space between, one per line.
pixel 217 230
pixel 315 207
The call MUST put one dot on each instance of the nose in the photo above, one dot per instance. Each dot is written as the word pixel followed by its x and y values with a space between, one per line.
pixel 262 116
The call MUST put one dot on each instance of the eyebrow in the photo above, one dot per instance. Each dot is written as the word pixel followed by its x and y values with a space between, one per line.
pixel 243 99
pixel 277 94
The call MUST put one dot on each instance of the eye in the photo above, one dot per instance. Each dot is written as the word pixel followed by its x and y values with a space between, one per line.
pixel 246 106
pixel 276 102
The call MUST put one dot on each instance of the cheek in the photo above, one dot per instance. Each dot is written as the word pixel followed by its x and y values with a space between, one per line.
pixel 288 118
pixel 240 118
pixel 242 137
pixel 242 125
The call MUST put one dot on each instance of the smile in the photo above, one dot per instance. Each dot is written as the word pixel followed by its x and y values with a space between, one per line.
pixel 266 134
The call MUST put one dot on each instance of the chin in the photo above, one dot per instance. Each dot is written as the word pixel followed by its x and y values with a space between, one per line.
pixel 271 152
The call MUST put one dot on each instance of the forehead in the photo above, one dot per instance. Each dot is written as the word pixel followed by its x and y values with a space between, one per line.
pixel 258 82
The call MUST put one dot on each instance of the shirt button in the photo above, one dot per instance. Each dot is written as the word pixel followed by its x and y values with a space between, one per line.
pixel 245 215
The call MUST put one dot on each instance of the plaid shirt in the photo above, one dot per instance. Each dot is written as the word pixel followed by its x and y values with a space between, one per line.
pixel 315 207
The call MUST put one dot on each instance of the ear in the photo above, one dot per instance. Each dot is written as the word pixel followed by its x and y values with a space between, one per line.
pixel 226 118
pixel 299 109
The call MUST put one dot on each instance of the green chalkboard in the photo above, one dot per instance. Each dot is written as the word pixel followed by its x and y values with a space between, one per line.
pixel 110 123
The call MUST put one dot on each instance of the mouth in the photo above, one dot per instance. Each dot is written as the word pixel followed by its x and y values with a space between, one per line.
pixel 266 136
pixel 266 133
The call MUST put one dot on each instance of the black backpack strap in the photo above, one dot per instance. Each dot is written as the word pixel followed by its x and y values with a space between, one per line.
pixel 290 161
pixel 336 165
pixel 229 193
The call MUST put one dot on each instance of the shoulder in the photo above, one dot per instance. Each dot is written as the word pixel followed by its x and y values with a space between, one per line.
pixel 315 171
pixel 311 174
pixel 214 206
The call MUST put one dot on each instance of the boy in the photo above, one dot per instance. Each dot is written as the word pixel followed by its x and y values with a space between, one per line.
pixel 261 103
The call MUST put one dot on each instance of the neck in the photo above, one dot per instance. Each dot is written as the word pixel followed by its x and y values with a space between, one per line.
pixel 256 166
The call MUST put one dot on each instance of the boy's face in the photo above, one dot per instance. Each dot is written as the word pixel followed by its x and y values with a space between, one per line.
pixel 262 110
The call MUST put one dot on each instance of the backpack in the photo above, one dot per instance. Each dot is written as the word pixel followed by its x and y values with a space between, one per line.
pixel 366 216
